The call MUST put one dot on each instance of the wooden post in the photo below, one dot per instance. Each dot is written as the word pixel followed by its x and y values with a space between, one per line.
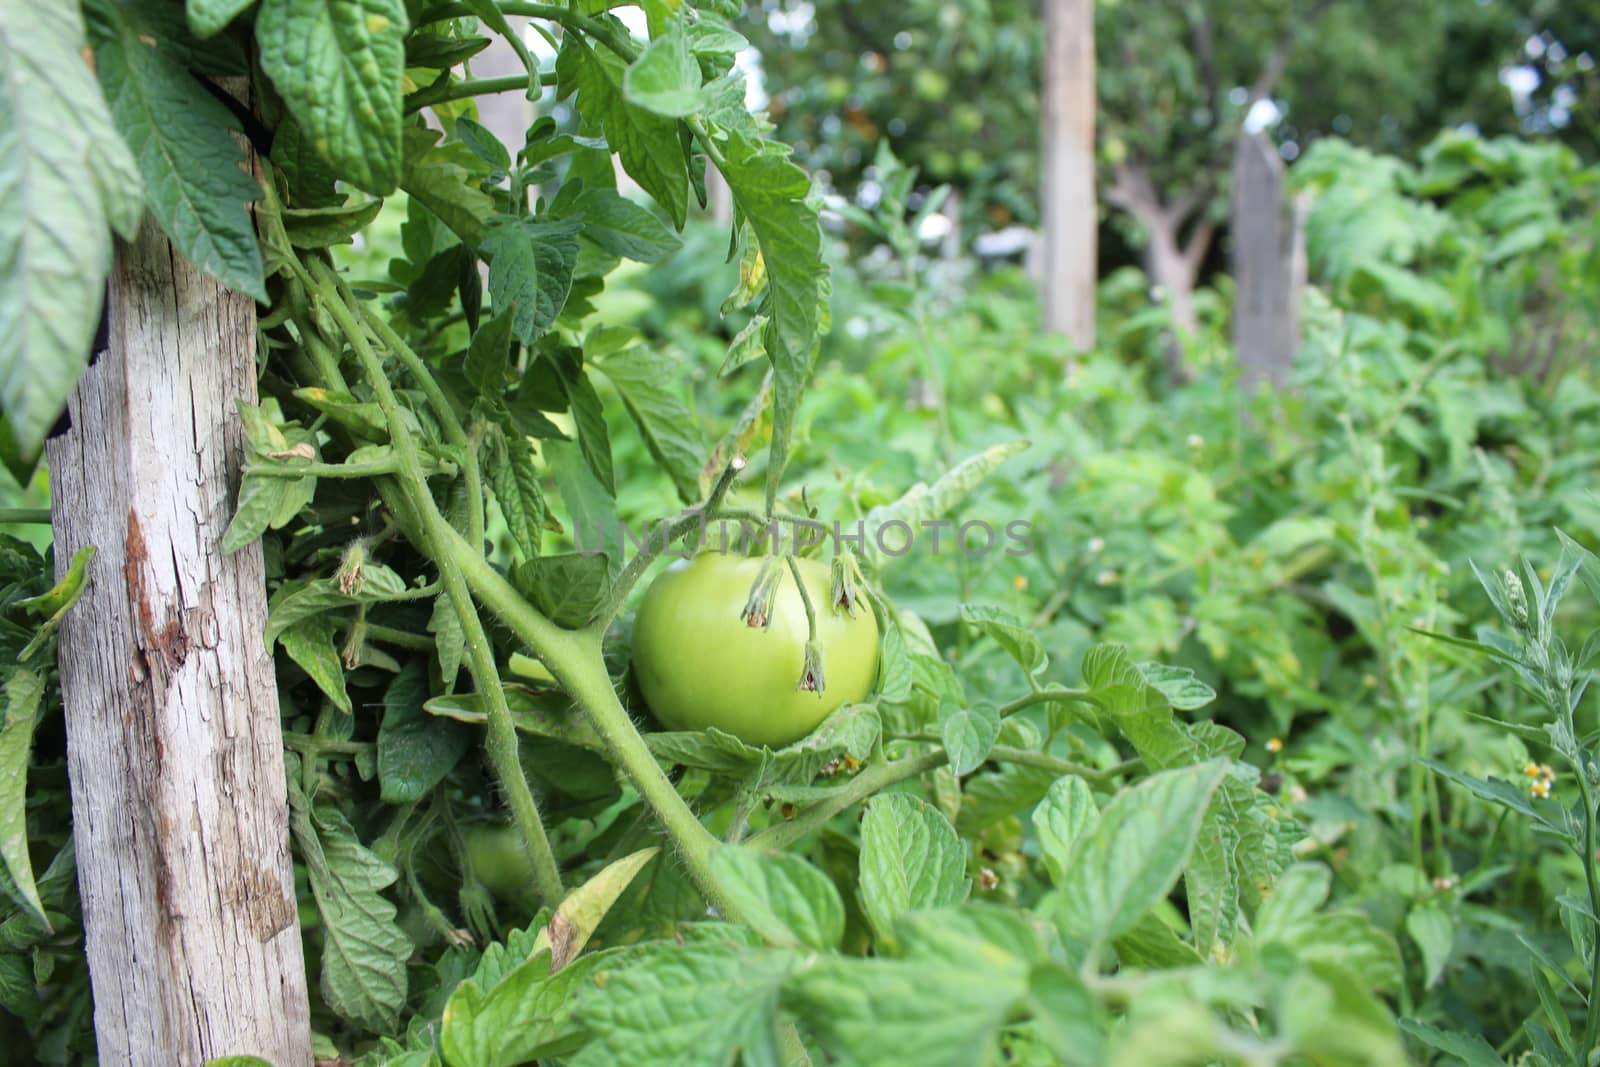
pixel 1067 192
pixel 1266 294
pixel 174 751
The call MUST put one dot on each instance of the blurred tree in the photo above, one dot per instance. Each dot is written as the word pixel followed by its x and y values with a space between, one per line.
pixel 953 85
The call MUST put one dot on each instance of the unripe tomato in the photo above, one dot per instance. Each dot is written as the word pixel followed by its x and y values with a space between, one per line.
pixel 497 856
pixel 700 664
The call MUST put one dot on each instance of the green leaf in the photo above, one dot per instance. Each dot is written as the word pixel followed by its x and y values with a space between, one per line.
pixel 364 952
pixel 1299 892
pixel 67 179
pixel 1068 1016
pixel 541 714
pixel 488 356
pixel 785 899
pixel 623 228
pixel 24 693
pixel 648 144
pixel 1135 854
pixel 55 602
pixel 514 480
pixel 182 136
pixel 694 1005
pixel 589 416
pixel 311 645
pixel 568 589
pixel 921 502
pixel 415 749
pixel 1014 635
pixel 485 145
pixel 1063 817
pixel 530 267
pixel 665 79
pixel 324 227
pixel 933 1013
pixel 968 734
pixel 653 387
pixel 1471 1049
pixel 911 859
pixel 303 600
pixel 207 17
pixel 340 67
pixel 770 192
pixel 433 178
pixel 1497 791
pixel 1179 685
pixel 1433 931
pixel 449 640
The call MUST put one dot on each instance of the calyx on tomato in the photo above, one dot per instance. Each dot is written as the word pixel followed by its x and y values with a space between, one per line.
pixel 722 640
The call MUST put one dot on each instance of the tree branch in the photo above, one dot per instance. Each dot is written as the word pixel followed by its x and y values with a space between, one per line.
pixel 1278 61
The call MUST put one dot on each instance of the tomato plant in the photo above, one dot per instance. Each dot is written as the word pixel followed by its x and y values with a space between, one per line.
pixel 704 659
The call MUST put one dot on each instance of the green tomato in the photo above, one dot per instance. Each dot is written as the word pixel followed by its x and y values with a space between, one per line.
pixel 496 855
pixel 699 664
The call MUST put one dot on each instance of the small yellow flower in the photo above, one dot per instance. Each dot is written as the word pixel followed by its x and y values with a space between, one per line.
pixel 1019 583
pixel 1540 789
pixel 1531 770
pixel 1106 577
pixel 1096 545
pixel 1275 745
pixel 1443 884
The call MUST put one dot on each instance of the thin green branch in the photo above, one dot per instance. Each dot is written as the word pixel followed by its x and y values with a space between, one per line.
pixel 871 780
pixel 501 745
pixel 30 516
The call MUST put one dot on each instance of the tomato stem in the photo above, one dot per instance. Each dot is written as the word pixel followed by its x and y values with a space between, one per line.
pixel 501 743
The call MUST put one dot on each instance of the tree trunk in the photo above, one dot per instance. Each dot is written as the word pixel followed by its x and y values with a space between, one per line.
pixel 1067 198
pixel 1265 294
pixel 1173 268
pixel 174 751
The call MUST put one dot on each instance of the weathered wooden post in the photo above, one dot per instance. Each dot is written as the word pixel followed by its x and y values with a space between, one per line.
pixel 1267 281
pixel 179 802
pixel 1067 191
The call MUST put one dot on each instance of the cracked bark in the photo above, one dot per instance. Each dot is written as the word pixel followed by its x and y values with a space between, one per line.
pixel 179 802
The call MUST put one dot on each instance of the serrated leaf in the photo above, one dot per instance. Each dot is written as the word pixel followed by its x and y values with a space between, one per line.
pixel 1471 1049
pixel 1014 635
pixel 488 355
pixel 449 640
pixel 194 180
pixel 67 179
pixel 1063 817
pixel 911 859
pixel 207 17
pixel 1179 685
pixel 340 67
pixel 922 502
pixel 648 144
pixel 771 192
pixel 652 386
pixel 415 749
pixel 1137 851
pixel 310 644
pixel 484 144
pixel 24 695
pixel 261 498
pixel 784 898
pixel 364 952
pixel 665 79
pixel 696 1005
pixel 968 734
pixel 530 268
pixel 568 588
pixel 324 227
pixel 514 480
pixel 624 228
pixel 446 188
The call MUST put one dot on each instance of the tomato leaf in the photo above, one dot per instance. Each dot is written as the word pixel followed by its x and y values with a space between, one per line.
pixel 665 79
pixel 648 145
pixel 1136 852
pixel 340 67
pixel 24 696
pixel 1016 637
pixel 311 645
pixel 182 136
pixel 968 734
pixel 415 749
pixel 911 859
pixel 624 228
pixel 67 180
pixel 436 179
pixel 568 588
pixel 1063 817
pixel 530 267
pixel 784 898
pixel 652 386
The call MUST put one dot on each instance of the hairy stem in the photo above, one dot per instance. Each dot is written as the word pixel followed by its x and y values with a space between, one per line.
pixel 501 745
